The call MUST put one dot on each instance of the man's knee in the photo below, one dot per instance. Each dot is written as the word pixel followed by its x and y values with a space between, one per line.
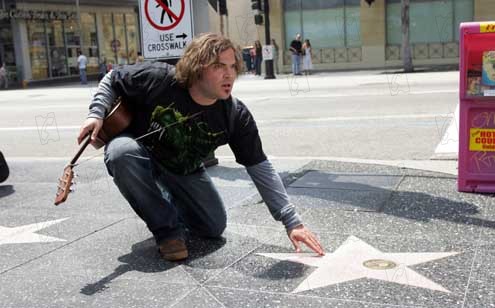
pixel 121 153
pixel 217 226
pixel 216 230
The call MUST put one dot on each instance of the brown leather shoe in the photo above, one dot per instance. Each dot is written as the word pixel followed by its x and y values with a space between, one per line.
pixel 173 250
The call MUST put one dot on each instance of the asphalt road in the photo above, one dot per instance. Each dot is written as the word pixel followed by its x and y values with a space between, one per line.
pixel 365 114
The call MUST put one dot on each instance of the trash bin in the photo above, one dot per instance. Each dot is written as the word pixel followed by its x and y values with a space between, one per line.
pixel 476 166
pixel 4 169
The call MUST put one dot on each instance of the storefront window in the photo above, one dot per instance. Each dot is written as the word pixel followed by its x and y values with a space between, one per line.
pixel 118 44
pixel 431 21
pixel 120 36
pixel 54 44
pixel 326 23
pixel 58 57
pixel 108 36
pixel 37 49
pixel 7 54
pixel 90 41
pixel 73 45
pixel 463 12
pixel 132 37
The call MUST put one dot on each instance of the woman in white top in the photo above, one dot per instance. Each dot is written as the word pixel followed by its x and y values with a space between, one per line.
pixel 307 64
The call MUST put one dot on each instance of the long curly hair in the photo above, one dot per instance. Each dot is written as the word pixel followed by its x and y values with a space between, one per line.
pixel 203 51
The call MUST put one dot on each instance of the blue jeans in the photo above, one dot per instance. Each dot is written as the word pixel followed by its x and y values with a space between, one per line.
pixel 82 75
pixel 168 203
pixel 296 64
pixel 257 63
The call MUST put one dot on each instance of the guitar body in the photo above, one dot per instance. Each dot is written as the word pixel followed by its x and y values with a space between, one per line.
pixel 115 122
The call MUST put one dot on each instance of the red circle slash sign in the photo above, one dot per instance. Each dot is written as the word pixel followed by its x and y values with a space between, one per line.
pixel 162 5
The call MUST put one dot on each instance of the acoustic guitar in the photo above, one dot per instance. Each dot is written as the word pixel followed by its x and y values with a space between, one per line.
pixel 114 123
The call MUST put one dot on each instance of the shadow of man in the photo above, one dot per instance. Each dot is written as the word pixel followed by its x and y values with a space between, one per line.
pixel 144 258
pixel 412 205
pixel 6 190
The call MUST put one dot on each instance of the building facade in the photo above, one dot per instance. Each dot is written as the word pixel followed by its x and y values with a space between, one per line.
pixel 350 34
pixel 40 39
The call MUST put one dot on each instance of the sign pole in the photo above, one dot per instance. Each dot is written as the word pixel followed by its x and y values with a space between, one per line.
pixel 166 28
pixel 268 63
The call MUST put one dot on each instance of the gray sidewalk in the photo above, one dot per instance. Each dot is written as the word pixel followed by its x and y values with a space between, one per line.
pixel 394 238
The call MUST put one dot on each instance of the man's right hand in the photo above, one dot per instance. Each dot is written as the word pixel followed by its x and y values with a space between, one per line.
pixel 92 125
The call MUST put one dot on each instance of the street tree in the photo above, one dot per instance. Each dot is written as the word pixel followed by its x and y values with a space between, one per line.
pixel 406 47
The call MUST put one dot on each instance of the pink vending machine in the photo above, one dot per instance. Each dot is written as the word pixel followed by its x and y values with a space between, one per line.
pixel 476 172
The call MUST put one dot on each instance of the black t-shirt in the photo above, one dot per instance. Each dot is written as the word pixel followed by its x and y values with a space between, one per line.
pixel 186 132
pixel 297 46
pixel 258 50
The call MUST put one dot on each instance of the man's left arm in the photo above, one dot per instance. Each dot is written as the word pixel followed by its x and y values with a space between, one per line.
pixel 272 190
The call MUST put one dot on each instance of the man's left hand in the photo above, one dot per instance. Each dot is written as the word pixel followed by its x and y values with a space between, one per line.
pixel 302 234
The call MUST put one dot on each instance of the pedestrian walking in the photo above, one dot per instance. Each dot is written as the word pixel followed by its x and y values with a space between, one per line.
pixel 4 78
pixel 295 48
pixel 258 57
pixel 246 56
pixel 192 111
pixel 140 58
pixel 275 51
pixel 307 62
pixel 252 53
pixel 82 62
pixel 102 69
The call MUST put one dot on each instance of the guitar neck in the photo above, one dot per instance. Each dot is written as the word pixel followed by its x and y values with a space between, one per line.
pixel 81 149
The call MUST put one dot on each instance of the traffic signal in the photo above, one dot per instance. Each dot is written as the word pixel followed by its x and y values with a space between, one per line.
pixel 222 7
pixel 369 2
pixel 258 19
pixel 256 5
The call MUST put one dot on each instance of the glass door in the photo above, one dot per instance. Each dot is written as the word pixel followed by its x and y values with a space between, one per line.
pixel 58 57
pixel 38 49
pixel 73 45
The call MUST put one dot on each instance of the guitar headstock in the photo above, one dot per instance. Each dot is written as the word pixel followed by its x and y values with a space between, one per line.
pixel 64 185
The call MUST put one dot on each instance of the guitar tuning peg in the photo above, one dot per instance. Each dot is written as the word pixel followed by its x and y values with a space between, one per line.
pixel 75 175
pixel 72 190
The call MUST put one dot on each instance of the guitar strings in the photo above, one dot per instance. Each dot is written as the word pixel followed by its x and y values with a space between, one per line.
pixel 140 137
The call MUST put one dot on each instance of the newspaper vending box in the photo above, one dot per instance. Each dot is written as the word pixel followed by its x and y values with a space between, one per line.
pixel 476 169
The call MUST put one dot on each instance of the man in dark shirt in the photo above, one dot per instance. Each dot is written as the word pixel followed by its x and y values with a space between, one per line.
pixel 295 48
pixel 186 112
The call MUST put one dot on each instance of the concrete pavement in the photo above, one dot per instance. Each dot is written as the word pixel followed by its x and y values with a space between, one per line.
pixel 394 237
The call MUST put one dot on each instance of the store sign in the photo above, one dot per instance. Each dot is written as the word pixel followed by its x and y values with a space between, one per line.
pixel 166 27
pixel 40 15
pixel 487 27
pixel 482 139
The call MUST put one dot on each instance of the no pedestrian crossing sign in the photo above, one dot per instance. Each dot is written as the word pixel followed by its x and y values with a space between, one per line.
pixel 166 27
pixel 267 52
